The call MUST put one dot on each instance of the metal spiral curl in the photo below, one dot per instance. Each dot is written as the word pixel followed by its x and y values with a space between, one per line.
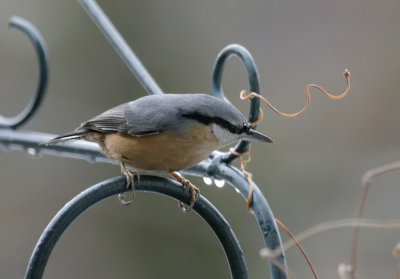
pixel 40 46
pixel 252 72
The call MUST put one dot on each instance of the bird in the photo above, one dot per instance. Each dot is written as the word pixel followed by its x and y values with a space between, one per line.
pixel 165 133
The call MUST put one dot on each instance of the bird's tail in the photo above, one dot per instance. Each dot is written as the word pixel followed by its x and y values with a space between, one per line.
pixel 75 135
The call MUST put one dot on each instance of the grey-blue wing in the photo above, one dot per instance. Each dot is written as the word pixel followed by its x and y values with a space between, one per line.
pixel 113 121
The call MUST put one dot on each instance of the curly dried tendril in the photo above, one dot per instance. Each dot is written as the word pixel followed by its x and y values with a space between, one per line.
pixel 244 95
pixel 249 176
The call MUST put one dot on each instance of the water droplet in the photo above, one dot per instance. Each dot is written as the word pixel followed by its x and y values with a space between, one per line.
pixel 207 180
pixel 219 183
pixel 32 151
pixel 4 147
pixel 91 159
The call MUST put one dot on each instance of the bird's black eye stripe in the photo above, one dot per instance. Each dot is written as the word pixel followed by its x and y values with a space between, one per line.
pixel 206 120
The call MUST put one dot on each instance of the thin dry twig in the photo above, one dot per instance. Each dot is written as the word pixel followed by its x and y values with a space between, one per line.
pixel 298 246
pixel 365 185
pixel 249 176
pixel 342 223
pixel 270 256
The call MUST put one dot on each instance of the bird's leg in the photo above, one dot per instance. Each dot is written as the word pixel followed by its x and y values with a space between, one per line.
pixel 194 191
pixel 129 175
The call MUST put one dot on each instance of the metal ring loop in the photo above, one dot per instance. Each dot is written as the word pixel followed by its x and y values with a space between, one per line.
pixel 117 185
pixel 248 61
pixel 40 46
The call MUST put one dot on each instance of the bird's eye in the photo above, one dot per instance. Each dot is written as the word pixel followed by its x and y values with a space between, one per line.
pixel 232 129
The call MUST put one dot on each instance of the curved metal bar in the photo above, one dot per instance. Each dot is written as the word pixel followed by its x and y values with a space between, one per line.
pixel 30 142
pixel 40 47
pixel 263 213
pixel 120 46
pixel 218 70
pixel 117 185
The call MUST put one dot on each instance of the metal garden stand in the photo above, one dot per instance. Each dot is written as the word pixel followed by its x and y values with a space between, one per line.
pixel 217 166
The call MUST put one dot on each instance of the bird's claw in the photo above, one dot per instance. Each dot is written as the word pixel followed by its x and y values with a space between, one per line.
pixel 194 192
pixel 129 176
pixel 122 199
pixel 194 196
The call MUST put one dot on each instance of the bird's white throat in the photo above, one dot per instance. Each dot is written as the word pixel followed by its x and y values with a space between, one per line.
pixel 223 136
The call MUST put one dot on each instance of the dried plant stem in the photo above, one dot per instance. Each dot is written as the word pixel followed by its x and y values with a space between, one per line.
pixel 249 176
pixel 282 267
pixel 342 223
pixel 298 246
pixel 365 185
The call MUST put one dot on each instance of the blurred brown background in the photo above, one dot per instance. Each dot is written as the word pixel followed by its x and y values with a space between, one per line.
pixel 311 173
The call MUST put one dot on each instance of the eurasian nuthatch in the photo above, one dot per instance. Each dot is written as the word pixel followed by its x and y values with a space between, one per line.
pixel 165 132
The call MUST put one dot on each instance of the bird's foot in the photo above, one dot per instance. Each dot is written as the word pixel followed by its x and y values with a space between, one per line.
pixel 130 176
pixel 194 191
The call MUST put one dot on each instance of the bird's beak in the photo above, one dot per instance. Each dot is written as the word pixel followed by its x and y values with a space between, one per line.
pixel 254 135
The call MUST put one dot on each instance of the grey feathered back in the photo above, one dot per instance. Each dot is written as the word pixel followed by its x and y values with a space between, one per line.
pixel 156 113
